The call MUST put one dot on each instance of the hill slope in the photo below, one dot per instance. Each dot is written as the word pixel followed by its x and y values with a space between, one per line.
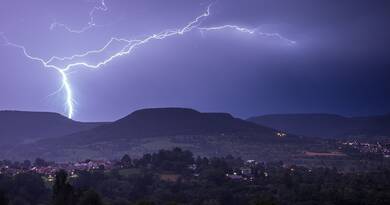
pixel 326 125
pixel 158 122
pixel 19 127
pixel 149 130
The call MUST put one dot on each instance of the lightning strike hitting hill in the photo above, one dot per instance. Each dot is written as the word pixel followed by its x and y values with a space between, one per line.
pixel 63 65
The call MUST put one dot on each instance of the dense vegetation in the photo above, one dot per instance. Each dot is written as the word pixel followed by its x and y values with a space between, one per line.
pixel 176 177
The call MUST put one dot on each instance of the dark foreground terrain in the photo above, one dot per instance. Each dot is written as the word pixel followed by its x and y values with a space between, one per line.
pixel 177 177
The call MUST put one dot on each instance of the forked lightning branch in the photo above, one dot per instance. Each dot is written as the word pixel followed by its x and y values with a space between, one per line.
pixel 63 65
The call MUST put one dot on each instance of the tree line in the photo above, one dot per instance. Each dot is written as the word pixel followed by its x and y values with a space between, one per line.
pixel 175 176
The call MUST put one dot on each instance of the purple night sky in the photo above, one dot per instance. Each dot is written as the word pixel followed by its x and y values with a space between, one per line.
pixel 339 64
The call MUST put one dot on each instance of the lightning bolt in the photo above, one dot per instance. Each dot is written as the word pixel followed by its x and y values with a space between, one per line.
pixel 91 23
pixel 249 31
pixel 63 65
pixel 65 82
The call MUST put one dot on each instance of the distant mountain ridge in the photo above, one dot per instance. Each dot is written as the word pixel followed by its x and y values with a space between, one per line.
pixel 19 126
pixel 143 131
pixel 156 122
pixel 327 125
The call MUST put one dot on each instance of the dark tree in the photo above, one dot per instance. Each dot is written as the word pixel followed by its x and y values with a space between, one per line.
pixel 63 193
pixel 40 162
pixel 30 187
pixel 126 161
pixel 120 201
pixel 19 201
pixel 3 198
pixel 145 203
pixel 26 164
pixel 90 197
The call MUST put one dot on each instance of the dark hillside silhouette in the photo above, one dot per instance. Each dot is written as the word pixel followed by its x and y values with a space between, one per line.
pixel 19 126
pixel 158 122
pixel 327 125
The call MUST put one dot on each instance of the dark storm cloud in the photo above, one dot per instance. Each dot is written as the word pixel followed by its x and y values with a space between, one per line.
pixel 340 63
